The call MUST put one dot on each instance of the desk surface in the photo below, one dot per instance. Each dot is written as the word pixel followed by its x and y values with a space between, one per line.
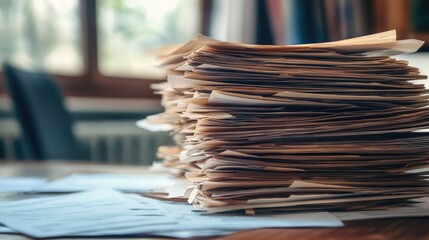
pixel 392 229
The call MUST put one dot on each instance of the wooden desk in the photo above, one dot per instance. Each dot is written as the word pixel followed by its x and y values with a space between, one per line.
pixel 391 229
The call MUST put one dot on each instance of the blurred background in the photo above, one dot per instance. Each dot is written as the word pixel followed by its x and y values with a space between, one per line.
pixel 99 53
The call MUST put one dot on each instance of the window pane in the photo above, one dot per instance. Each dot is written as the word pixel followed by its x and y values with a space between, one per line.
pixel 43 33
pixel 128 28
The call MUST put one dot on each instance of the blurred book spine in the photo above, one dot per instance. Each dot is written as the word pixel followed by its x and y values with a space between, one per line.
pixel 234 21
pixel 420 15
pixel 311 21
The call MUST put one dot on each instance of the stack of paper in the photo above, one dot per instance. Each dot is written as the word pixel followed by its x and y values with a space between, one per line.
pixel 328 126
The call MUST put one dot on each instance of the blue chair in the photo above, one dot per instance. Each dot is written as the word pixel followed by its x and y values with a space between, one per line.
pixel 45 123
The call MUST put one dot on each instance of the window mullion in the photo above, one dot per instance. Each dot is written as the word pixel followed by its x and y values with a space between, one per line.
pixel 89 38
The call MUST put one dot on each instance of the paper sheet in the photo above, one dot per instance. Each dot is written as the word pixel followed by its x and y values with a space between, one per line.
pixel 76 213
pixel 20 184
pixel 4 229
pixel 153 127
pixel 121 182
pixel 107 212
pixel 191 224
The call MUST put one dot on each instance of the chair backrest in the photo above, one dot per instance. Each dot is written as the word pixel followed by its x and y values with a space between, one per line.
pixel 46 125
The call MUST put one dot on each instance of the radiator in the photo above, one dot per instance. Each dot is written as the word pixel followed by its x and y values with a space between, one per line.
pixel 102 142
pixel 10 142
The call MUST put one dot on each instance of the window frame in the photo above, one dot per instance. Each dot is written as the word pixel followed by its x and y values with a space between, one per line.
pixel 91 82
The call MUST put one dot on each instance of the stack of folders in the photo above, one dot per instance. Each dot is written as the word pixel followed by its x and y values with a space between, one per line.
pixel 329 126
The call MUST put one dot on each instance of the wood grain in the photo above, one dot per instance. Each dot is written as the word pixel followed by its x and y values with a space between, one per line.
pixel 379 229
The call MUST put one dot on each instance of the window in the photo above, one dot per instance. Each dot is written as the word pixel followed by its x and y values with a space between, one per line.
pixel 95 47
pixel 127 29
pixel 44 33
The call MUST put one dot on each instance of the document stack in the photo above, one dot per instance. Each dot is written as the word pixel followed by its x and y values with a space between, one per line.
pixel 328 126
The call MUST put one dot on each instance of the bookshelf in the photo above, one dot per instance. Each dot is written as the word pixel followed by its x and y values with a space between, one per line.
pixel 305 21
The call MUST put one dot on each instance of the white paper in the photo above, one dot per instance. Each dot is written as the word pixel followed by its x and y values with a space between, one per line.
pixel 162 127
pixel 4 229
pixel 178 190
pixel 20 184
pixel 107 212
pixel 196 223
pixel 217 97
pixel 190 233
pixel 121 182
pixel 101 209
